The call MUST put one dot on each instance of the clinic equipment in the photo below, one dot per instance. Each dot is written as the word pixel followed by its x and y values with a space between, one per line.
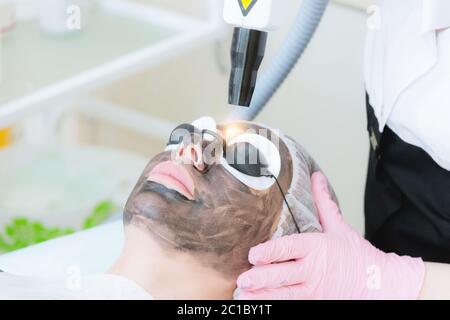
pixel 252 20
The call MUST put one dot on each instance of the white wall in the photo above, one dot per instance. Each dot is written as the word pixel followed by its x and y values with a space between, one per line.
pixel 321 104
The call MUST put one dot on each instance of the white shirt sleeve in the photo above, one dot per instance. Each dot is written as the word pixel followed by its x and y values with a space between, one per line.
pixel 406 73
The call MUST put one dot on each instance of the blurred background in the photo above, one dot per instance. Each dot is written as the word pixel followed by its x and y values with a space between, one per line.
pixel 89 91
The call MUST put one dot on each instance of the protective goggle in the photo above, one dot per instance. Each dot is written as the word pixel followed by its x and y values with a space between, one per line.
pixel 251 158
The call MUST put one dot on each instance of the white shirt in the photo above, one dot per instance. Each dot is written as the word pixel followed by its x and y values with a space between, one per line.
pixel 93 287
pixel 407 72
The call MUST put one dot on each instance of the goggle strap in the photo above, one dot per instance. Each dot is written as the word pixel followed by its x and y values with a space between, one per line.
pixel 285 201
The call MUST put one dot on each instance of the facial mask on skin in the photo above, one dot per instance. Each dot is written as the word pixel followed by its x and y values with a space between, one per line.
pixel 225 217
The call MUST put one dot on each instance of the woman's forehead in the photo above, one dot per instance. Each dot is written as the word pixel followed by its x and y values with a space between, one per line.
pixel 233 129
pixel 243 125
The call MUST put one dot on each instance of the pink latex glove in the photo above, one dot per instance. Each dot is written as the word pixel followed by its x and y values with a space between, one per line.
pixel 335 264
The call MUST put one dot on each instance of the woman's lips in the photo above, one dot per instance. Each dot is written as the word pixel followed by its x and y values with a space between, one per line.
pixel 173 176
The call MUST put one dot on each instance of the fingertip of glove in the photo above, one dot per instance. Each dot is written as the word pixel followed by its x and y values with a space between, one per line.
pixel 244 282
pixel 318 178
pixel 256 255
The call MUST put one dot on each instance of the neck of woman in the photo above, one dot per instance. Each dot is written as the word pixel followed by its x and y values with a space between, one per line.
pixel 168 274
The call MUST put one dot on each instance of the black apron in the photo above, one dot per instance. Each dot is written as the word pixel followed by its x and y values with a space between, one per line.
pixel 407 200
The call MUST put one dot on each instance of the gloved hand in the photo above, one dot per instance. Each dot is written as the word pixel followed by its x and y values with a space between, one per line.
pixel 335 264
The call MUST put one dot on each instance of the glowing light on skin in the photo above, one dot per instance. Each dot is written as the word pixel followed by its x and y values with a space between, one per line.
pixel 231 131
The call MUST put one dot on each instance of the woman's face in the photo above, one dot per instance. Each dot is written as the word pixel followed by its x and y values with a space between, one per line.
pixel 205 209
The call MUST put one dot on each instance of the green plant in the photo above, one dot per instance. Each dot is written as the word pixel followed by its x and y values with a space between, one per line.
pixel 100 214
pixel 22 232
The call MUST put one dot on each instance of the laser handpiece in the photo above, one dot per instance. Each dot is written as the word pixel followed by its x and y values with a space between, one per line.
pixel 252 19
pixel 247 53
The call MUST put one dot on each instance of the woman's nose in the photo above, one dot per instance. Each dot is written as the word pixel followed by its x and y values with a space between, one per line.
pixel 191 154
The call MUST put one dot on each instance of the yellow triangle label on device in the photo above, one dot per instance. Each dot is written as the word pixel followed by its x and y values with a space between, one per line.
pixel 246 6
pixel 246 3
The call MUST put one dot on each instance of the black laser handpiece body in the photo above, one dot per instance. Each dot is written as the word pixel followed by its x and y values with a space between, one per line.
pixel 247 53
